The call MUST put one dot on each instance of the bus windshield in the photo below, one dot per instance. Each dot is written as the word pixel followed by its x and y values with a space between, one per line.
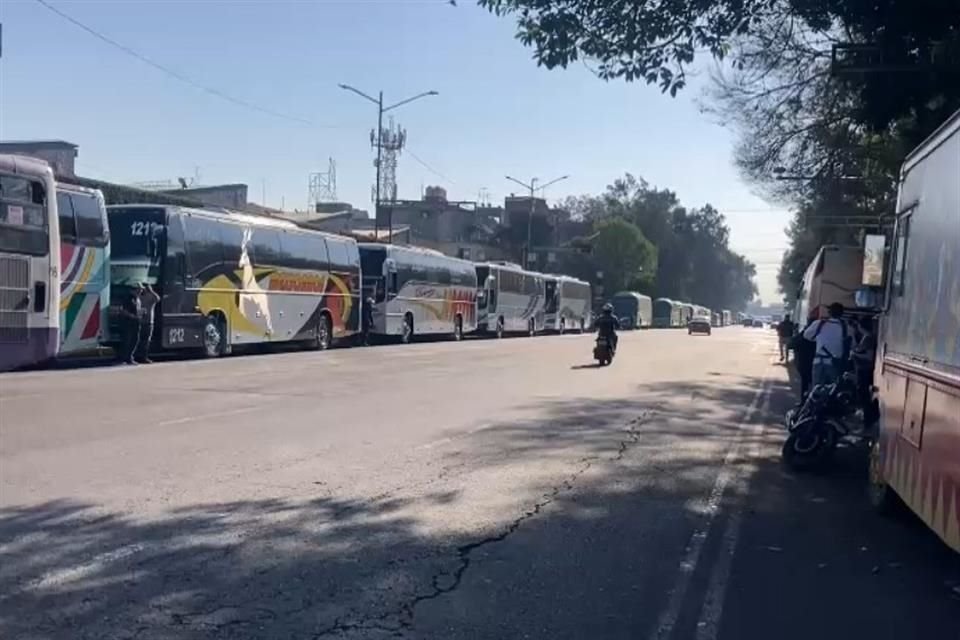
pixel 624 306
pixel 23 216
pixel 136 245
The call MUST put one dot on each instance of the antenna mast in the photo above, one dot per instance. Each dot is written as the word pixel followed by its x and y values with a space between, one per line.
pixel 323 186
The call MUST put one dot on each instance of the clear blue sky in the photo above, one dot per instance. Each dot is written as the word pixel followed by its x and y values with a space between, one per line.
pixel 497 112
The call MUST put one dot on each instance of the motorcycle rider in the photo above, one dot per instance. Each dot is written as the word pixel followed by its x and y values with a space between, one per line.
pixel 607 325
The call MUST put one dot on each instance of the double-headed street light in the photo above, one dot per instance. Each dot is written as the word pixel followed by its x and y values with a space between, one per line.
pixel 532 188
pixel 380 111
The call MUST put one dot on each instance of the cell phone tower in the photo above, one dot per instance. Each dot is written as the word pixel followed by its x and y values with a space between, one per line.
pixel 392 140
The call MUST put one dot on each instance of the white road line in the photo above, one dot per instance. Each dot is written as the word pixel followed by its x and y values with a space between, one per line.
pixel 688 565
pixel 708 626
pixel 210 416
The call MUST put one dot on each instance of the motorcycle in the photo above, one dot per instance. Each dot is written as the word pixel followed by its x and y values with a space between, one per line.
pixel 603 351
pixel 822 421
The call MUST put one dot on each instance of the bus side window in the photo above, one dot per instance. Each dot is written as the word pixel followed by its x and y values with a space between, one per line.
pixel 207 249
pixel 900 257
pixel 68 224
pixel 90 227
pixel 175 274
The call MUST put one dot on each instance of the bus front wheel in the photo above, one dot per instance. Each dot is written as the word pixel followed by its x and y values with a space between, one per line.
pixel 214 337
pixel 406 335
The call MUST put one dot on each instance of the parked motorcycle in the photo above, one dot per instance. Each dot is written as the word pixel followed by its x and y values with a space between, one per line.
pixel 827 416
pixel 603 351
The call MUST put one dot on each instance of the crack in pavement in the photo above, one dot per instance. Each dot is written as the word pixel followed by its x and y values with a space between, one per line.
pixel 405 612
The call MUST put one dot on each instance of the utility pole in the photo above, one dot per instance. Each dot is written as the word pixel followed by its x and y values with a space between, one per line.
pixel 377 141
pixel 532 188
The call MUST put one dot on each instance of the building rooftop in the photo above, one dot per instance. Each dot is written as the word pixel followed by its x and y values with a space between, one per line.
pixel 33 144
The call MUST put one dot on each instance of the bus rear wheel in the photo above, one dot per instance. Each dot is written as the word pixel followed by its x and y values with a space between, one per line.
pixel 214 337
pixel 406 332
pixel 458 328
pixel 883 498
pixel 324 336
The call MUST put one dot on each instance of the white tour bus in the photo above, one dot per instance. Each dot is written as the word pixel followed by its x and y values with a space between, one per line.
pixel 567 304
pixel 509 299
pixel 29 263
pixel 418 291
pixel 834 275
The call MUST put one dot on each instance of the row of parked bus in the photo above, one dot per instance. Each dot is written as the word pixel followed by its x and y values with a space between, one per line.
pixel 227 279
pixel 637 311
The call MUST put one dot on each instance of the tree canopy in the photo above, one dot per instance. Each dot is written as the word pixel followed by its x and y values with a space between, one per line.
pixel 626 258
pixel 827 96
pixel 693 259
pixel 657 40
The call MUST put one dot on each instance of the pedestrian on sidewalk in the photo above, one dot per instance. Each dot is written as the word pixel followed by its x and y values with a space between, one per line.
pixel 148 302
pixel 785 330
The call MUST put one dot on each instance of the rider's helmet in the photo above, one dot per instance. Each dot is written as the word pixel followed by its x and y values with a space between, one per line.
pixel 607 309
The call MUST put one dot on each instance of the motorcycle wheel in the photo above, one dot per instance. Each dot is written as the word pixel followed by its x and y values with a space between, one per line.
pixel 809 445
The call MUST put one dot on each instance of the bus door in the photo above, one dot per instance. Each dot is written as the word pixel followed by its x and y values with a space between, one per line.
pixel 491 285
pixel 552 304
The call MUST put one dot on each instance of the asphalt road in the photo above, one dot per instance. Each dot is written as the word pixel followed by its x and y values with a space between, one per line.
pixel 485 489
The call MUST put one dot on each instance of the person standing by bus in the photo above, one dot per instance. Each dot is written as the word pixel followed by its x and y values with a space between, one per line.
pixel 830 336
pixel 130 313
pixel 366 326
pixel 148 302
pixel 864 356
pixel 803 351
pixel 785 329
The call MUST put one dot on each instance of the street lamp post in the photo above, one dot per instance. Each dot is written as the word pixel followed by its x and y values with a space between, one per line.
pixel 380 111
pixel 532 188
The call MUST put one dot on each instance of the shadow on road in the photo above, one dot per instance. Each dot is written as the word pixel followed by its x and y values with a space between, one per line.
pixel 592 556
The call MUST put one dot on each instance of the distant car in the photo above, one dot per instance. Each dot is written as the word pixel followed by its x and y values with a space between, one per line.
pixel 698 324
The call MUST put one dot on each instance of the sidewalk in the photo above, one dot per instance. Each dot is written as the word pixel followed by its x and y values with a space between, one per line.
pixel 815 560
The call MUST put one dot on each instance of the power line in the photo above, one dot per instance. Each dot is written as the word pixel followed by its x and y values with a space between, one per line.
pixel 428 167
pixel 173 73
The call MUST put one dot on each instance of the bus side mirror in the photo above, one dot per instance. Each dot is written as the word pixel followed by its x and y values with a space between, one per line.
pixel 868 297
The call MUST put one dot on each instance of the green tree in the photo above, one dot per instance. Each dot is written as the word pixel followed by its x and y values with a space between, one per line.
pixel 839 132
pixel 657 41
pixel 628 260
pixel 694 261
